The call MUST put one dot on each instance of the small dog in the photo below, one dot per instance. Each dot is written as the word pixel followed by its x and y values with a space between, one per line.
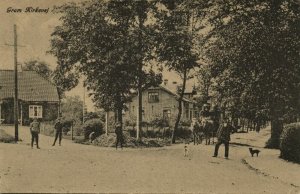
pixel 252 152
pixel 186 151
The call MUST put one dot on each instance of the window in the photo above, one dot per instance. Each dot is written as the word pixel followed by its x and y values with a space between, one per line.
pixel 167 114
pixel 153 97
pixel 35 111
pixel 143 113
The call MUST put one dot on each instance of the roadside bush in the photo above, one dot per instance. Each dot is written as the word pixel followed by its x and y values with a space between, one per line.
pixel 66 123
pixel 183 132
pixel 290 142
pixel 186 123
pixel 159 122
pixel 6 138
pixel 78 130
pixel 93 125
pixel 47 128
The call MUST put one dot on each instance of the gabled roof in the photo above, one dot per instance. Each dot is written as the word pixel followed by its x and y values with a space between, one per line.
pixel 170 92
pixel 31 87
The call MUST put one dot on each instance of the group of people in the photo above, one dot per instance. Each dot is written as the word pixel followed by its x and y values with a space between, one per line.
pixel 35 128
pixel 223 134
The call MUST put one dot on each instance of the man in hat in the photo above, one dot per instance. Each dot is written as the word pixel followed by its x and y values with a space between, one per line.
pixel 35 130
pixel 58 131
pixel 119 134
pixel 223 135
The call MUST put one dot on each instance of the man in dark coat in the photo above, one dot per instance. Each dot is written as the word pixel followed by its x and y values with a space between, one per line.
pixel 223 135
pixel 35 130
pixel 119 134
pixel 58 131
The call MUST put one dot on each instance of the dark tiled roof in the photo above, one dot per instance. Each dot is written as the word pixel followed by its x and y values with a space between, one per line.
pixel 32 87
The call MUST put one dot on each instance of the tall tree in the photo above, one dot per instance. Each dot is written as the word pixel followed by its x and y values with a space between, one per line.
pixel 178 21
pixel 107 42
pixel 255 52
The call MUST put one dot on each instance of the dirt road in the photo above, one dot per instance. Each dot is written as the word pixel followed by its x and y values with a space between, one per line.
pixel 81 168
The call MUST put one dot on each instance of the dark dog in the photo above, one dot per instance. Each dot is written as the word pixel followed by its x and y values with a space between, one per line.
pixel 252 152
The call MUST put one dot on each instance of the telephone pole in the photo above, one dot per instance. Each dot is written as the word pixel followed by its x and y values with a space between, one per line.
pixel 16 102
pixel 16 108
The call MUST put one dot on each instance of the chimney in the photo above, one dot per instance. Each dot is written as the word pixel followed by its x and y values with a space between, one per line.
pixel 165 82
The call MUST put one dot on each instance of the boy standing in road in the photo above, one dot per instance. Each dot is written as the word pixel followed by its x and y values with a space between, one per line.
pixel 223 135
pixel 58 131
pixel 35 130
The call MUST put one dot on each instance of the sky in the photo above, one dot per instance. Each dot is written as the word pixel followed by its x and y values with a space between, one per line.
pixel 34 32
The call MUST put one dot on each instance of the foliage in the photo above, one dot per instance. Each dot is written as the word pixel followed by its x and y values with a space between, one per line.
pixel 71 109
pixel 253 51
pixel 106 42
pixel 92 115
pixel 40 67
pixel 176 37
pixel 62 82
pixel 78 130
pixel 93 125
pixel 290 142
pixel 159 122
pixel 6 138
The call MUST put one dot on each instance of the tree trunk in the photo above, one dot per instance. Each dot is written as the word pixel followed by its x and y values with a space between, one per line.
pixel 179 107
pixel 118 110
pixel 276 128
pixel 140 91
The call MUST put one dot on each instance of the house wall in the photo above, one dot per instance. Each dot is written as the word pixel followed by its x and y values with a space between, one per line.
pixel 154 110
pixel 50 111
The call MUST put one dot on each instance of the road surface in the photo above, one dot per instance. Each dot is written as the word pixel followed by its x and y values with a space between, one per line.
pixel 83 168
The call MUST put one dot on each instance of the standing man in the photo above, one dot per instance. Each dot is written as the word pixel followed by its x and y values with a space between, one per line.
pixel 119 134
pixel 58 131
pixel 223 135
pixel 35 130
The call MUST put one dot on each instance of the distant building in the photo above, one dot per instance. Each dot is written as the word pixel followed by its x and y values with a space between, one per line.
pixel 162 102
pixel 38 97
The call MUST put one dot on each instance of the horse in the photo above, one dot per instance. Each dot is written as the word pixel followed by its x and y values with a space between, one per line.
pixel 197 131
pixel 209 129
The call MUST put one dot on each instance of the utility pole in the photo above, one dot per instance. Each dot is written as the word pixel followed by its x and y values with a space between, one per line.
pixel 16 108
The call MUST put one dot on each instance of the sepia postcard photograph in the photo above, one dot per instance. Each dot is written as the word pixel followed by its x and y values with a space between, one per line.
pixel 150 96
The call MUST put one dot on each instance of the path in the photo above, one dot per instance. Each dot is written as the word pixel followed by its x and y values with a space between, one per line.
pixel 80 168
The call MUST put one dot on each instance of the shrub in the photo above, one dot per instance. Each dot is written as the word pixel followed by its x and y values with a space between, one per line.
pixel 67 123
pixel 290 142
pixel 78 130
pixel 159 122
pixel 93 125
pixel 6 138
pixel 272 143
pixel 47 128
pixel 183 132
pixel 186 123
